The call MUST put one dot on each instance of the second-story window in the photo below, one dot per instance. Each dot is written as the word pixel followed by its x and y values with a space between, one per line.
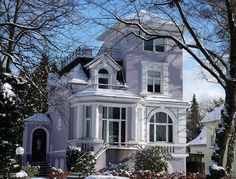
pixel 103 79
pixel 157 45
pixel 154 81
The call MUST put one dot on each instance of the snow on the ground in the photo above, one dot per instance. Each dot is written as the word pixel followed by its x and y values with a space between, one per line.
pixel 20 174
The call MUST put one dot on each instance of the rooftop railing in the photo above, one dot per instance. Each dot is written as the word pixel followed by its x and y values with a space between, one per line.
pixel 91 52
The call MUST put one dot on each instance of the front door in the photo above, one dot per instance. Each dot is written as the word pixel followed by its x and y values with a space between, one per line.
pixel 39 145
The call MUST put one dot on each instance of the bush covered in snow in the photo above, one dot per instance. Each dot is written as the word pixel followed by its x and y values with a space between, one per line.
pixel 79 161
pixel 151 159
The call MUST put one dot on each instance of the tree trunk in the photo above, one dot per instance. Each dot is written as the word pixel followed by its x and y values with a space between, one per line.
pixel 223 132
pixel 230 152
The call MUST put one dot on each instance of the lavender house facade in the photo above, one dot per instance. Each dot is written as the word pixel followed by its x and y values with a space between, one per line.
pixel 127 97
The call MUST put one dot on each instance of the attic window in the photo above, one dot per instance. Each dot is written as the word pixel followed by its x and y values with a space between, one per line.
pixel 103 78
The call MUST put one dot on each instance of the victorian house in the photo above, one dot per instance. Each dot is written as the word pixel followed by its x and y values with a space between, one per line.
pixel 125 97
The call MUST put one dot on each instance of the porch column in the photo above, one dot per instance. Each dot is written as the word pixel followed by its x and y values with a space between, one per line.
pixel 134 123
pixel 95 121
pixel 79 118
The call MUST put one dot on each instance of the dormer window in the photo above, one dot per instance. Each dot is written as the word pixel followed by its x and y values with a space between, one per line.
pixel 157 45
pixel 103 79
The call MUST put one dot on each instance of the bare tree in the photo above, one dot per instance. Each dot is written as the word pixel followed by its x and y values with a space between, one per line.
pixel 29 28
pixel 210 38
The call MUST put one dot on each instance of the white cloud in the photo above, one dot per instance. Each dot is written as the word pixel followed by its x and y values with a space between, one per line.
pixel 194 82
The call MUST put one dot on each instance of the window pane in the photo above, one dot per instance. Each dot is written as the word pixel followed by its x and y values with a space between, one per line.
pixel 88 111
pixel 151 133
pixel 114 132
pixel 154 74
pixel 123 131
pixel 87 128
pixel 150 85
pixel 152 119
pixel 159 44
pixel 104 112
pixel 157 86
pixel 170 133
pixel 114 113
pixel 103 71
pixel 148 45
pixel 169 120
pixel 161 133
pixel 161 117
pixel 104 130
pixel 103 80
pixel 123 113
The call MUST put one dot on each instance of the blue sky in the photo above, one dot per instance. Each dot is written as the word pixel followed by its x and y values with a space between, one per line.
pixel 194 81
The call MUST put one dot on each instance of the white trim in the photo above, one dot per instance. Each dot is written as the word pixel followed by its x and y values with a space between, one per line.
pixel 154 66
pixel 47 137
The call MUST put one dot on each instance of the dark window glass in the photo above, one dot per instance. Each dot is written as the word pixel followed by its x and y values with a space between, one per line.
pixel 103 81
pixel 87 128
pixel 114 113
pixel 104 112
pixel 123 131
pixel 150 85
pixel 148 45
pixel 88 111
pixel 151 133
pixel 103 71
pixel 161 117
pixel 159 44
pixel 169 120
pixel 157 86
pixel 123 113
pixel 160 133
pixel 104 130
pixel 170 133
pixel 113 132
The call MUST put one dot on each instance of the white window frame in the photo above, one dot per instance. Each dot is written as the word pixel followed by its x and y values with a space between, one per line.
pixel 154 79
pixel 154 66
pixel 120 120
pixel 99 75
pixel 166 124
pixel 154 46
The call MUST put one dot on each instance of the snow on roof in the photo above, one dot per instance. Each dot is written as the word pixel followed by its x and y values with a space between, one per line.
pixel 76 75
pixel 200 139
pixel 148 17
pixel 39 117
pixel 106 93
pixel 214 115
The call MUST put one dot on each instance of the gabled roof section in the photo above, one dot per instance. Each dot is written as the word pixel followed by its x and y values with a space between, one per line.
pixel 104 58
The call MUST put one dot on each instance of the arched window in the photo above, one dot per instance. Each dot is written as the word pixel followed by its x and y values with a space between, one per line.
pixel 103 78
pixel 160 128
